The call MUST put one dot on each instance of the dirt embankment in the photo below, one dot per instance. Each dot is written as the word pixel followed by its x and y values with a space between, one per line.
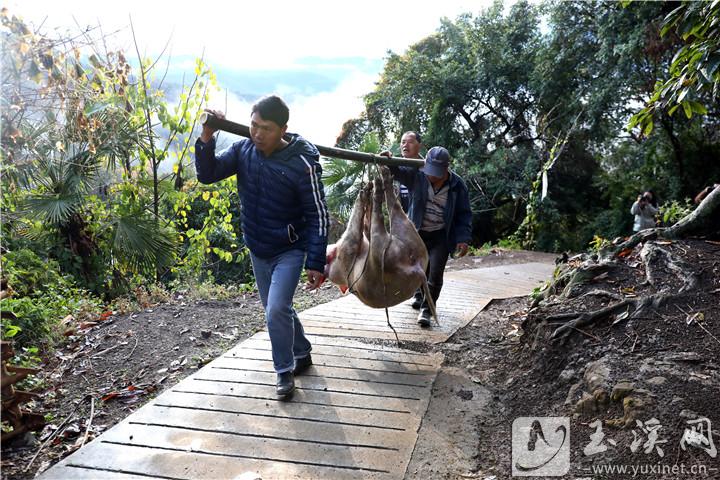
pixel 640 388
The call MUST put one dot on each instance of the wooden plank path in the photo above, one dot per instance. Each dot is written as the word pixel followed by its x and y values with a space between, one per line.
pixel 355 414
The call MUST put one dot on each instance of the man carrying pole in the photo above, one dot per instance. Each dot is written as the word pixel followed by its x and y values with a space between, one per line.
pixel 284 221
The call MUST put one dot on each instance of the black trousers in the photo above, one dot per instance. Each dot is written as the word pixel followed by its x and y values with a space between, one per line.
pixel 436 244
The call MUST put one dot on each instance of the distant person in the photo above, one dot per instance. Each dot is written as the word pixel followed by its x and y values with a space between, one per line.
pixel 440 210
pixel 410 145
pixel 645 208
pixel 284 221
pixel 705 192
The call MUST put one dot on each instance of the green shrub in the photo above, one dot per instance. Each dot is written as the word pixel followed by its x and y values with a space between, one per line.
pixel 41 297
pixel 674 210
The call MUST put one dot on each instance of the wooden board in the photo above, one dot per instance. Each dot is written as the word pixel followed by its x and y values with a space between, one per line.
pixel 355 415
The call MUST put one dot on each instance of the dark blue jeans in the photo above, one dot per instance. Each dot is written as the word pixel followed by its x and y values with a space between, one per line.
pixel 438 253
pixel 277 278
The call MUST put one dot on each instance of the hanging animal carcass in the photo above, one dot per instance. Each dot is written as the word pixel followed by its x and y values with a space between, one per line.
pixel 382 268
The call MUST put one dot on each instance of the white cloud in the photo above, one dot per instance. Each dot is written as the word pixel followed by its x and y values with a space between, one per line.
pixel 258 35
pixel 318 117
pixel 262 37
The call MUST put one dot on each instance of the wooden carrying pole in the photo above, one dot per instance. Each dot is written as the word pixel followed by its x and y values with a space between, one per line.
pixel 231 127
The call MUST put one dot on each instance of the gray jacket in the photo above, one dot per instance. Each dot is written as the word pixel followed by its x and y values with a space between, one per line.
pixel 644 216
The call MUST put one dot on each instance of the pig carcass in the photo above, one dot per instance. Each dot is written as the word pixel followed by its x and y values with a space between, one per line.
pixel 382 268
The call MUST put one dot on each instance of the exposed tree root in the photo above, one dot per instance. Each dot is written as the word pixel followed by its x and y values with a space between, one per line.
pixel 655 258
pixel 627 309
pixel 602 293
pixel 569 279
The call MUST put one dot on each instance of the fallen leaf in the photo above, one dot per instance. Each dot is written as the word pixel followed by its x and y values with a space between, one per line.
pixel 625 252
pixel 110 396
pixel 622 316
pixel 602 276
pixel 129 395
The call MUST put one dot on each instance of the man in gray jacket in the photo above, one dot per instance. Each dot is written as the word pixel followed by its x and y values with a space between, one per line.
pixel 645 208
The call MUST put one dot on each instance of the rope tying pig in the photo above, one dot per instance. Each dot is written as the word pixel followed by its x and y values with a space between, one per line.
pixel 369 255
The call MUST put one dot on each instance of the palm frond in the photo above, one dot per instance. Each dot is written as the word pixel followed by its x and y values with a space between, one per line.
pixel 51 208
pixel 141 244
pixel 342 179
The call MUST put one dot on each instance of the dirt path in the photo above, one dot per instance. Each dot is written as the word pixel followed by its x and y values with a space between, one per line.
pixel 460 436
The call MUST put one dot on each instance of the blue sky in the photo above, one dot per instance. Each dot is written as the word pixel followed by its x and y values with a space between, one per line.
pixel 322 56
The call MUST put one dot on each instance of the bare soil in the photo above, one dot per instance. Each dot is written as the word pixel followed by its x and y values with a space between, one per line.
pixel 502 366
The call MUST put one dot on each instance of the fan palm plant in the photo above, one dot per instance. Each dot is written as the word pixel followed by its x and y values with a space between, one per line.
pixel 344 179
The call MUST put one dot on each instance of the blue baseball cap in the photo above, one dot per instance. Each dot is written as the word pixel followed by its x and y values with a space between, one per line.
pixel 437 162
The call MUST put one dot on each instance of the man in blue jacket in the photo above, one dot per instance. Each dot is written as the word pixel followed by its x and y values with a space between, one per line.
pixel 440 210
pixel 284 220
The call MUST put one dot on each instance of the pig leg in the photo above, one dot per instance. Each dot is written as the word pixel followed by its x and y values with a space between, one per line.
pixel 367 212
pixel 400 225
pixel 378 232
pixel 353 237
pixel 352 246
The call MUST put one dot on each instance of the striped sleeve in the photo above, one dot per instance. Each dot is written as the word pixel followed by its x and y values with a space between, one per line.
pixel 315 210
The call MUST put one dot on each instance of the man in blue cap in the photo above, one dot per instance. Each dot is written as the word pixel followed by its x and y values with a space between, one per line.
pixel 440 210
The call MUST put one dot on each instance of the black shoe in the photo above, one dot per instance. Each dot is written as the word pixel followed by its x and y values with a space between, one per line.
pixel 302 364
pixel 417 303
pixel 424 318
pixel 285 384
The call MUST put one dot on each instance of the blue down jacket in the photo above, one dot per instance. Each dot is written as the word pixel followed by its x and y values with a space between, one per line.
pixel 282 197
pixel 457 214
